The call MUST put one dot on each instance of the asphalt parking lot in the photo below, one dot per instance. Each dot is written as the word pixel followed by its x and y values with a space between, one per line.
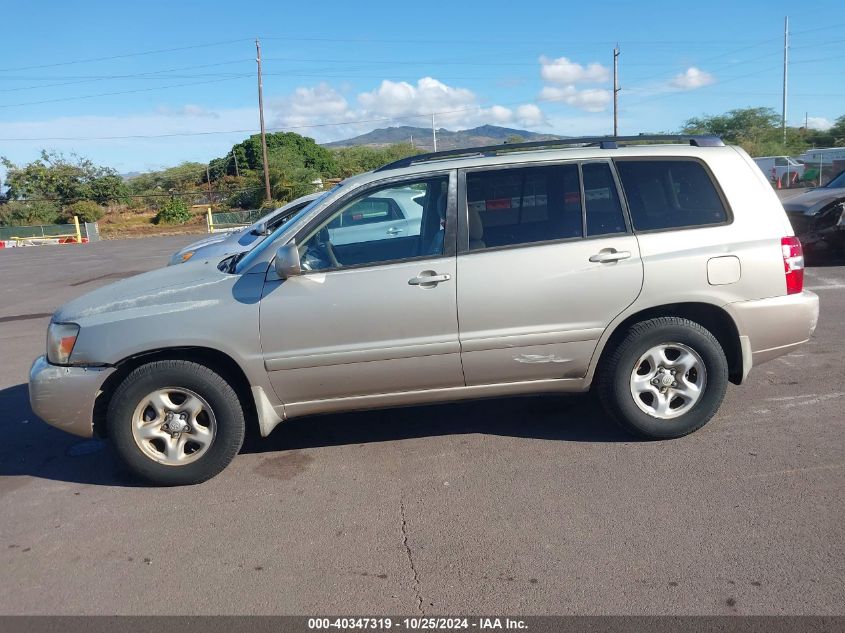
pixel 514 506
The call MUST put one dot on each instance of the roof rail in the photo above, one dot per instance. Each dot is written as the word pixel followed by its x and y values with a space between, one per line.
pixel 605 142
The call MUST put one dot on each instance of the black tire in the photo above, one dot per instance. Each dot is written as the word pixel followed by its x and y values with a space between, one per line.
pixel 615 374
pixel 222 399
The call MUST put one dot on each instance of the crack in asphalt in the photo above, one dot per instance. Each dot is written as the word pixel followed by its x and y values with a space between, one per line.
pixel 404 528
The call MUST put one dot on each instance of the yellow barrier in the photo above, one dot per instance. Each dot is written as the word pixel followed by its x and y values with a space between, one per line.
pixel 210 221
pixel 78 233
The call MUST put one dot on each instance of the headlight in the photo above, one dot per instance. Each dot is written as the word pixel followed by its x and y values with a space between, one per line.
pixel 180 257
pixel 61 337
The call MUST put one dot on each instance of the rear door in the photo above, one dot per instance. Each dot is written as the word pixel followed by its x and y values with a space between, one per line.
pixel 546 261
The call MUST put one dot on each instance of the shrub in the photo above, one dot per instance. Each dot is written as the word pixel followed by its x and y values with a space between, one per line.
pixel 174 211
pixel 22 213
pixel 85 210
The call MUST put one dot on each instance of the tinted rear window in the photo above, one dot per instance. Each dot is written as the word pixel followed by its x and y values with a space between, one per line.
pixel 665 194
pixel 526 204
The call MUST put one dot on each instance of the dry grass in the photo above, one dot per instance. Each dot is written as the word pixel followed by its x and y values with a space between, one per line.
pixel 120 223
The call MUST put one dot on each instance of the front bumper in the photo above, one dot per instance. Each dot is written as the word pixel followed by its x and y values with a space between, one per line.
pixel 64 396
pixel 772 327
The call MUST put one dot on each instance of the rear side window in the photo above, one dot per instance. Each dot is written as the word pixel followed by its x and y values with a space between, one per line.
pixel 523 205
pixel 664 194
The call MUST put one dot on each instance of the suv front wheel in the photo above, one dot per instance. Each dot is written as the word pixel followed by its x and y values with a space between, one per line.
pixel 175 422
pixel 665 379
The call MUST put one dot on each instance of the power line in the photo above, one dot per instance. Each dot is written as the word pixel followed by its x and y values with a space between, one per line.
pixel 144 75
pixel 123 92
pixel 123 56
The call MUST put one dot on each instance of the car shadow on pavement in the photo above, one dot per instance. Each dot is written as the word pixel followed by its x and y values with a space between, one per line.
pixel 571 418
pixel 33 448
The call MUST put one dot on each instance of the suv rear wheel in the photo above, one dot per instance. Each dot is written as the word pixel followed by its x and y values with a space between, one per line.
pixel 665 379
pixel 175 422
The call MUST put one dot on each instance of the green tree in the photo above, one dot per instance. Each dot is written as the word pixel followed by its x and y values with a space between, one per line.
pixel 360 158
pixel 832 137
pixel 85 210
pixel 249 155
pixel 185 177
pixel 64 180
pixel 174 211
pixel 757 130
pixel 21 213
pixel 290 175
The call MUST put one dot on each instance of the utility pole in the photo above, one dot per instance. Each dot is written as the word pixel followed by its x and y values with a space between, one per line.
pixel 785 70
pixel 616 91
pixel 208 179
pixel 261 116
pixel 433 133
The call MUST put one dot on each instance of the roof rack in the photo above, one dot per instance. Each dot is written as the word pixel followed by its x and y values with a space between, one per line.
pixel 604 142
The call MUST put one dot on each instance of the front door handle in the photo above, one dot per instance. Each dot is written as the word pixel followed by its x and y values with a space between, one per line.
pixel 609 255
pixel 393 231
pixel 428 279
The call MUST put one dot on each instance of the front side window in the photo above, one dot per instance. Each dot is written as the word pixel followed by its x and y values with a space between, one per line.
pixel 382 225
pixel 673 193
pixel 523 205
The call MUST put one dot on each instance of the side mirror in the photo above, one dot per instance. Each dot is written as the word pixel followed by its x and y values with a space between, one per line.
pixel 287 261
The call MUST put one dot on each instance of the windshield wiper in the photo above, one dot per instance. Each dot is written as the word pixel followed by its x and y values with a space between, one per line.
pixel 234 263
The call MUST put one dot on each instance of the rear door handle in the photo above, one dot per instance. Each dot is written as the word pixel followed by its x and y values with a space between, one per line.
pixel 609 255
pixel 393 231
pixel 428 279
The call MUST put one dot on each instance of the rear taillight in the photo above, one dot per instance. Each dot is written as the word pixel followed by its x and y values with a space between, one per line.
pixel 793 264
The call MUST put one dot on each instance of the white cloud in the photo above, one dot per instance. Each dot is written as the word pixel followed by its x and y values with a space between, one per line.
pixel 589 99
pixel 819 123
pixel 307 104
pixel 530 115
pixel 500 114
pixel 691 79
pixel 564 71
pixel 397 103
pixel 403 99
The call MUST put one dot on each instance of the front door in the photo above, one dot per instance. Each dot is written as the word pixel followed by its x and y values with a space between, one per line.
pixel 547 261
pixel 373 313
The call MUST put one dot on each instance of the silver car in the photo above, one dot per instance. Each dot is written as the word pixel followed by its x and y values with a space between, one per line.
pixel 241 239
pixel 653 274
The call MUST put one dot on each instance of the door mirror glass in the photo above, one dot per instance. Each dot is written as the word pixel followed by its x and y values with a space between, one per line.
pixel 287 261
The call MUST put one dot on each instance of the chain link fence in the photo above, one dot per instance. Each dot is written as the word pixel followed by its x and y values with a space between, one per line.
pixel 50 233
pixel 228 220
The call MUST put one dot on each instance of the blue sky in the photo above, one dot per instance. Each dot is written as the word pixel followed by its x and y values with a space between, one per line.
pixel 180 76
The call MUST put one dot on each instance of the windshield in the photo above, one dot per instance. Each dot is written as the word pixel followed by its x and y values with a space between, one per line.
pixel 246 259
pixel 838 181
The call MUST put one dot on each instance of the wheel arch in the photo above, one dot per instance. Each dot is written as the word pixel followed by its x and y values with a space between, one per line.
pixel 214 359
pixel 710 316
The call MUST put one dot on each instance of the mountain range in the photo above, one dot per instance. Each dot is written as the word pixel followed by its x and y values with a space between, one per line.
pixel 421 137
